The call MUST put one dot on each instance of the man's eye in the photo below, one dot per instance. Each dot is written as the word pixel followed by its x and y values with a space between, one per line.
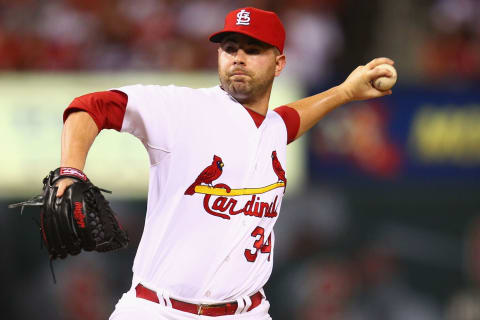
pixel 229 49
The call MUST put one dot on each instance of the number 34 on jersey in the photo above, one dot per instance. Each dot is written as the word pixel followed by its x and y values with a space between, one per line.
pixel 259 245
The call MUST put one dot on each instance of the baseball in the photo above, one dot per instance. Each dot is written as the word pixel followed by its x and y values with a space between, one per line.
pixel 386 83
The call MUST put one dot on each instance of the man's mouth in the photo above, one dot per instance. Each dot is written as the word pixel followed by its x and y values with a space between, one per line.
pixel 239 73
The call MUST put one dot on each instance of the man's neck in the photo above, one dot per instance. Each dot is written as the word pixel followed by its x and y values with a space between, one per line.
pixel 259 105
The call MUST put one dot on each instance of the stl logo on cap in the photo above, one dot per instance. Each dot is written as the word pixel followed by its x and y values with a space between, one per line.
pixel 243 18
pixel 259 24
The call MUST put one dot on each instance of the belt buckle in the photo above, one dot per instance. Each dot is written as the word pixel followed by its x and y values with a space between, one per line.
pixel 203 306
pixel 200 308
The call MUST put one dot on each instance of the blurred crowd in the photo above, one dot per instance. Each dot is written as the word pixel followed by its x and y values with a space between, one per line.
pixel 323 35
pixel 452 48
pixel 149 34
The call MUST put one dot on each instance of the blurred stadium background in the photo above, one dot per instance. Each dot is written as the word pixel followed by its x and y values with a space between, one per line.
pixel 383 219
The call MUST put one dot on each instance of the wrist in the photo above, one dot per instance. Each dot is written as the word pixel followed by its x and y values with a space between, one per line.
pixel 72 162
pixel 344 95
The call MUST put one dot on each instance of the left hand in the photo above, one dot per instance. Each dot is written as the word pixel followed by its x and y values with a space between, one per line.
pixel 358 85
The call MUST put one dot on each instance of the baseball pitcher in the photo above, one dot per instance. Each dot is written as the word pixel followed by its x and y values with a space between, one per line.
pixel 217 174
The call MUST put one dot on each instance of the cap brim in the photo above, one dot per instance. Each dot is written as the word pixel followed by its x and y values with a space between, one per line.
pixel 218 36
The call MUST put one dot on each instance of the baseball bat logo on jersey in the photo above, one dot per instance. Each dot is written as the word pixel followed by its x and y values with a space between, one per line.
pixel 226 202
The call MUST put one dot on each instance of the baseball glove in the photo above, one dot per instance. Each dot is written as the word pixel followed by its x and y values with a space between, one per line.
pixel 80 219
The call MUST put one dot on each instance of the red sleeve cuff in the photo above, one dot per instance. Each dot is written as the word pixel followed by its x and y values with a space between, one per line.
pixel 107 108
pixel 292 121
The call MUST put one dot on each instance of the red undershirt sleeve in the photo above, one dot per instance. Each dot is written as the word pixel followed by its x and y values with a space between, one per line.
pixel 292 121
pixel 107 108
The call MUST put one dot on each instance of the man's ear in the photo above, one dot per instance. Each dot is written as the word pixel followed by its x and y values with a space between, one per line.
pixel 280 62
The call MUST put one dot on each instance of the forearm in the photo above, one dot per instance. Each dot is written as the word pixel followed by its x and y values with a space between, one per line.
pixel 79 132
pixel 357 86
pixel 313 108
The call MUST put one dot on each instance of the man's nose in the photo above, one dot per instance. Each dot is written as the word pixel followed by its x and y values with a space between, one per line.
pixel 240 56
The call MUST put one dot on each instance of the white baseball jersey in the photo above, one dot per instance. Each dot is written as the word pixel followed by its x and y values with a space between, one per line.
pixel 215 191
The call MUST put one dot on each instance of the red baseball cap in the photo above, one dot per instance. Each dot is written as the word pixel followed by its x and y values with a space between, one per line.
pixel 259 24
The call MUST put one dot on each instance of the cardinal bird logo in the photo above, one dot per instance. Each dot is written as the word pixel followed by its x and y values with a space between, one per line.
pixel 277 167
pixel 210 173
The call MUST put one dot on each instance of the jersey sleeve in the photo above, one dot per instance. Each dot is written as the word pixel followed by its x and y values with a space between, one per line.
pixel 292 121
pixel 107 108
pixel 154 114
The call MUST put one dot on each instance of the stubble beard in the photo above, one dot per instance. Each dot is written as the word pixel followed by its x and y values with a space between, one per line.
pixel 248 89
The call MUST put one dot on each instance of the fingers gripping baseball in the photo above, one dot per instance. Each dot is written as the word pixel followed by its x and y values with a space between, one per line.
pixel 358 85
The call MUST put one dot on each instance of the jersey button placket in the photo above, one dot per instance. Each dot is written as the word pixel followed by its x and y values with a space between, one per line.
pixel 257 142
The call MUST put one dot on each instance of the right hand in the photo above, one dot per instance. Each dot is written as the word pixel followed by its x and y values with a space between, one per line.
pixel 62 185
pixel 358 85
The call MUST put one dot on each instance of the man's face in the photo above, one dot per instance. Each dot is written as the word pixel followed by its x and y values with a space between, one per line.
pixel 247 67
